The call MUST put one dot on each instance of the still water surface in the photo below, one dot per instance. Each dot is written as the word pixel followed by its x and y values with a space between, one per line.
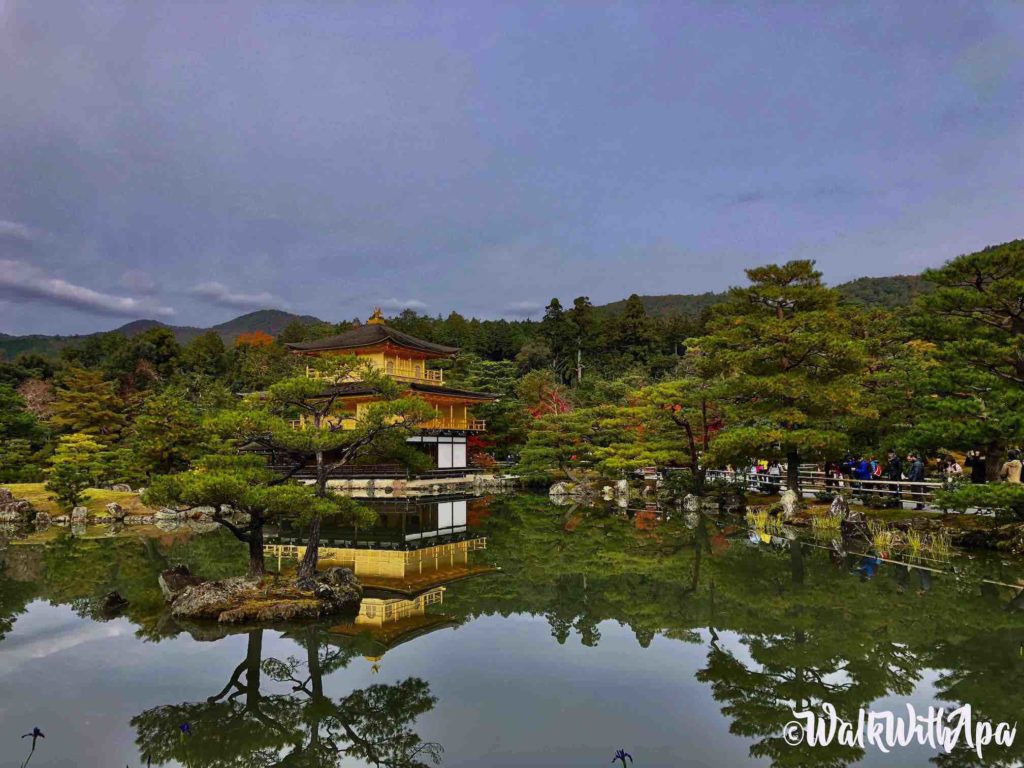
pixel 678 640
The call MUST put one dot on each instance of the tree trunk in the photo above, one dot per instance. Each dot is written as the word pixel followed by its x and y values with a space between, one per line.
pixel 307 566
pixel 793 471
pixel 321 475
pixel 699 479
pixel 993 461
pixel 253 660
pixel 257 567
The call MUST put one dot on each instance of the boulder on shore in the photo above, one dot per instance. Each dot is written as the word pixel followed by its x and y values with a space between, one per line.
pixel 79 514
pixel 789 503
pixel 174 580
pixel 236 600
pixel 116 511
pixel 13 510
pixel 121 488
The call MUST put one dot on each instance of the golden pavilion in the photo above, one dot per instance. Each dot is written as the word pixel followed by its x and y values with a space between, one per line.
pixel 405 359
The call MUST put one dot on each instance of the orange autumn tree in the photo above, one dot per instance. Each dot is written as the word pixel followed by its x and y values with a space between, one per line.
pixel 254 339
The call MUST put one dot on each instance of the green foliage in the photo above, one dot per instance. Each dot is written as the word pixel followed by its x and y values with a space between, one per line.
pixel 20 434
pixel 567 442
pixel 166 433
pixel 790 370
pixel 75 466
pixel 205 355
pixel 1006 499
pixel 87 403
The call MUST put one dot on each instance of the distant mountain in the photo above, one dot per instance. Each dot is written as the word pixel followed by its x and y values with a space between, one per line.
pixel 887 292
pixel 271 321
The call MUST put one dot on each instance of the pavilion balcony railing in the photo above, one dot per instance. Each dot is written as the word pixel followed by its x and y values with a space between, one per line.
pixel 397 372
pixel 469 425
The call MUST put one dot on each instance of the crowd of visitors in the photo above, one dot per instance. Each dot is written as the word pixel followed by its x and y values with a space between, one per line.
pixel 896 476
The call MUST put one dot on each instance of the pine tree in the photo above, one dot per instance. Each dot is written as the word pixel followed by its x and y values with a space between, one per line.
pixel 87 403
pixel 790 370
pixel 973 394
pixel 75 467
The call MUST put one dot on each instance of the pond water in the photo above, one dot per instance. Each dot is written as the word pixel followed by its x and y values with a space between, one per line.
pixel 528 635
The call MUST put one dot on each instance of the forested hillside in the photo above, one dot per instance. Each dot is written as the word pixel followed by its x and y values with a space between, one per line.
pixel 888 292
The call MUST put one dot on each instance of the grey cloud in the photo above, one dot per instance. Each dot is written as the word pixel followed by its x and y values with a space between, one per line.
pixel 218 293
pixel 13 231
pixel 395 305
pixel 24 282
pixel 140 282
pixel 523 308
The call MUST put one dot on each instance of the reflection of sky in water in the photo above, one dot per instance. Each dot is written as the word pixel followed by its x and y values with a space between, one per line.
pixel 508 694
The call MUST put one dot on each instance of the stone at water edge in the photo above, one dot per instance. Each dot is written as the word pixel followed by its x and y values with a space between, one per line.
pixel 237 600
pixel 691 503
pixel 174 580
pixel 79 514
pixel 6 496
pixel 789 503
pixel 560 489
pixel 116 511
pixel 606 493
pixel 622 488
pixel 112 603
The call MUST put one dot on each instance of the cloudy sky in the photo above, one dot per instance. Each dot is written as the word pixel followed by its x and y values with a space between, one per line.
pixel 192 161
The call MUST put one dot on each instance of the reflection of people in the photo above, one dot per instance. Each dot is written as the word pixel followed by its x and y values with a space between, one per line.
pixel 868 565
pixel 915 474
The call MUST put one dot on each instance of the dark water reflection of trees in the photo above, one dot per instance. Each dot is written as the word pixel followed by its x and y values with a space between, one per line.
pixel 783 627
pixel 243 725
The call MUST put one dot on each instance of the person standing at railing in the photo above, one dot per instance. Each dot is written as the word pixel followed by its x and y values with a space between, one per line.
pixel 1010 471
pixel 976 463
pixel 894 472
pixel 775 476
pixel 915 474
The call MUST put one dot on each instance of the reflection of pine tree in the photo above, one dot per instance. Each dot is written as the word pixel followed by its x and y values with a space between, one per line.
pixel 984 670
pixel 242 726
pixel 800 670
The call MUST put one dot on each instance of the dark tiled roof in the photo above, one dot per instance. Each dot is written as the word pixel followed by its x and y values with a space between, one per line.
pixel 369 335
pixel 358 388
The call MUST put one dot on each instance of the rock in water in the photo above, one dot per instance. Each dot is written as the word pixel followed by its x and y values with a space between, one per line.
pixel 79 514
pixel 840 507
pixel 112 603
pixel 789 503
pixel 6 496
pixel 232 601
pixel 622 489
pixel 560 489
pixel 174 580
pixel 691 503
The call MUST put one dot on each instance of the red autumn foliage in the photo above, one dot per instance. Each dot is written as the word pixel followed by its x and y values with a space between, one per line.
pixel 254 339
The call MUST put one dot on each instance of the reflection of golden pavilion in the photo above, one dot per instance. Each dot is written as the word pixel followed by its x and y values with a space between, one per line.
pixel 403 560
pixel 400 570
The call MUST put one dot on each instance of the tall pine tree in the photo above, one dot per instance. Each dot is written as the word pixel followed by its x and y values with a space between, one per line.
pixel 790 372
